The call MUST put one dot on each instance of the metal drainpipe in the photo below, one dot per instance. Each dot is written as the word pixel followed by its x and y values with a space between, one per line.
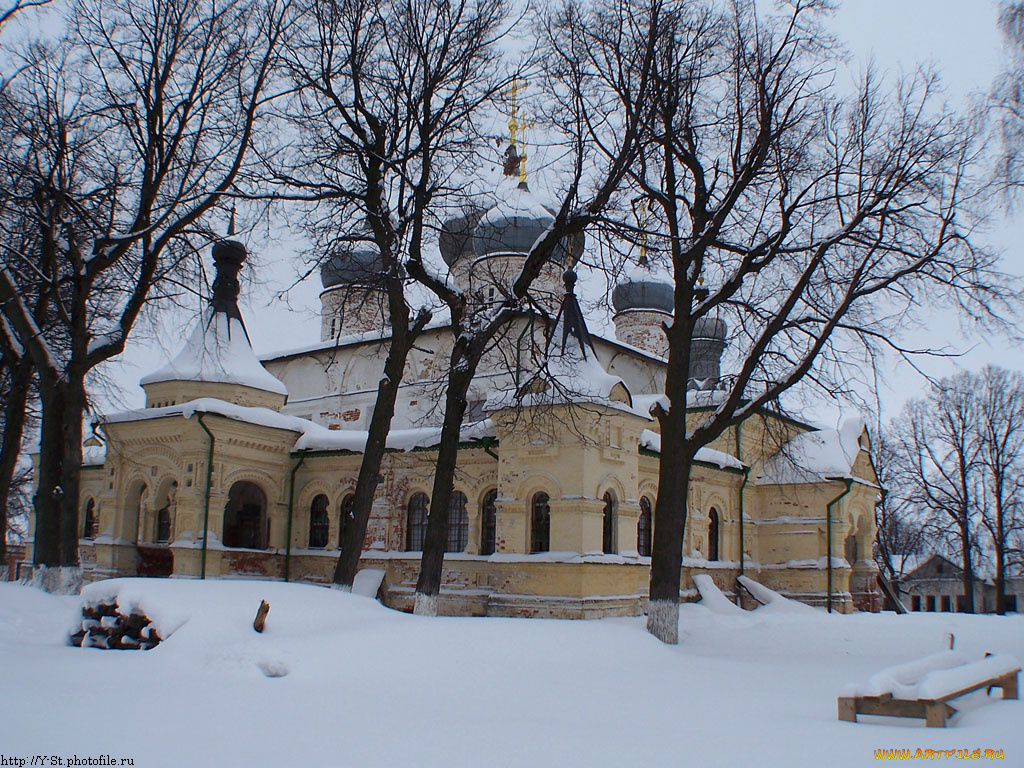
pixel 828 526
pixel 743 485
pixel 291 509
pixel 487 443
pixel 206 501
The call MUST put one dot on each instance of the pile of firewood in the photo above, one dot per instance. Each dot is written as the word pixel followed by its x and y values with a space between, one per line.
pixel 104 626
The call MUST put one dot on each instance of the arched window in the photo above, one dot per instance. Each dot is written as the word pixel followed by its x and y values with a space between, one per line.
pixel 458 523
pixel 416 527
pixel 245 517
pixel 91 525
pixel 643 528
pixel 540 528
pixel 608 529
pixel 165 514
pixel 318 522
pixel 163 524
pixel 713 534
pixel 345 517
pixel 488 522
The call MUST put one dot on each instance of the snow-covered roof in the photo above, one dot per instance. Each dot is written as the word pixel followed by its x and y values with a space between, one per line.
pixel 571 372
pixel 651 440
pixel 514 200
pixel 812 457
pixel 905 564
pixel 352 339
pixel 311 436
pixel 218 350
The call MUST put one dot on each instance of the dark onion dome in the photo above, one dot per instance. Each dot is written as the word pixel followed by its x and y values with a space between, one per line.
pixel 456 234
pixel 645 293
pixel 710 328
pixel 360 266
pixel 513 225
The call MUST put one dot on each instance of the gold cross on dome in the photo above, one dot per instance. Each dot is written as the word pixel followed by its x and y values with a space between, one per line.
pixel 516 127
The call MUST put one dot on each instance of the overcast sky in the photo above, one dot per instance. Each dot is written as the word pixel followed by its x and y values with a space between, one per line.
pixel 959 36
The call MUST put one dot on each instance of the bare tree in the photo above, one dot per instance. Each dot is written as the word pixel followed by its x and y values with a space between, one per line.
pixel 16 379
pixel 806 221
pixel 1000 427
pixel 1007 97
pixel 960 455
pixel 590 56
pixel 389 98
pixel 939 441
pixel 9 10
pixel 900 531
pixel 130 132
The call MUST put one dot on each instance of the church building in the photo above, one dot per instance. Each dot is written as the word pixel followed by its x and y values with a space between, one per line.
pixel 241 467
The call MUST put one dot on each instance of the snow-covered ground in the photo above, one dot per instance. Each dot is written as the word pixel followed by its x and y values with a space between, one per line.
pixel 361 685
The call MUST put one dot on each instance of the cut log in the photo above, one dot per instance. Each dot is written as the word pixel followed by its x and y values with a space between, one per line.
pixel 261 616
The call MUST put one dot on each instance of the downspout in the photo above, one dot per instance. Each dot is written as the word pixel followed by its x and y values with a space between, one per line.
pixel 743 485
pixel 828 526
pixel 487 443
pixel 206 494
pixel 746 477
pixel 291 509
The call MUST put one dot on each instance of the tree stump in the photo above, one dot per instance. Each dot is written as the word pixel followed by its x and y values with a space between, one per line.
pixel 261 616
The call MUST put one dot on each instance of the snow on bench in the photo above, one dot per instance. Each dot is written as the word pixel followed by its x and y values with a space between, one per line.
pixel 711 596
pixel 947 683
pixel 901 680
pixel 923 687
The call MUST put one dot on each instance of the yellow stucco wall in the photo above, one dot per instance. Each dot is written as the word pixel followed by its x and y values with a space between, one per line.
pixel 575 454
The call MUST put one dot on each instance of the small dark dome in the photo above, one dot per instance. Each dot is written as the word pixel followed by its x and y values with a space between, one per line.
pixel 710 328
pixel 361 265
pixel 229 251
pixel 648 294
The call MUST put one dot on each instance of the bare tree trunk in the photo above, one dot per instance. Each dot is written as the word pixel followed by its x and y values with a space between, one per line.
pixel 376 445
pixel 47 500
pixel 968 567
pixel 71 464
pixel 429 584
pixel 1000 577
pixel 10 448
pixel 670 513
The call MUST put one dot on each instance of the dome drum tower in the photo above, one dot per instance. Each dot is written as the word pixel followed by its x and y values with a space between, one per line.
pixel 354 299
pixel 642 307
pixel 485 248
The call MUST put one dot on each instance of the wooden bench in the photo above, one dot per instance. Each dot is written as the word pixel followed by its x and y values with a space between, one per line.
pixel 935 710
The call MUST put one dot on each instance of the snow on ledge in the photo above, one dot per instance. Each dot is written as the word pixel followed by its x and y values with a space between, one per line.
pixel 651 440
pixel 312 437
